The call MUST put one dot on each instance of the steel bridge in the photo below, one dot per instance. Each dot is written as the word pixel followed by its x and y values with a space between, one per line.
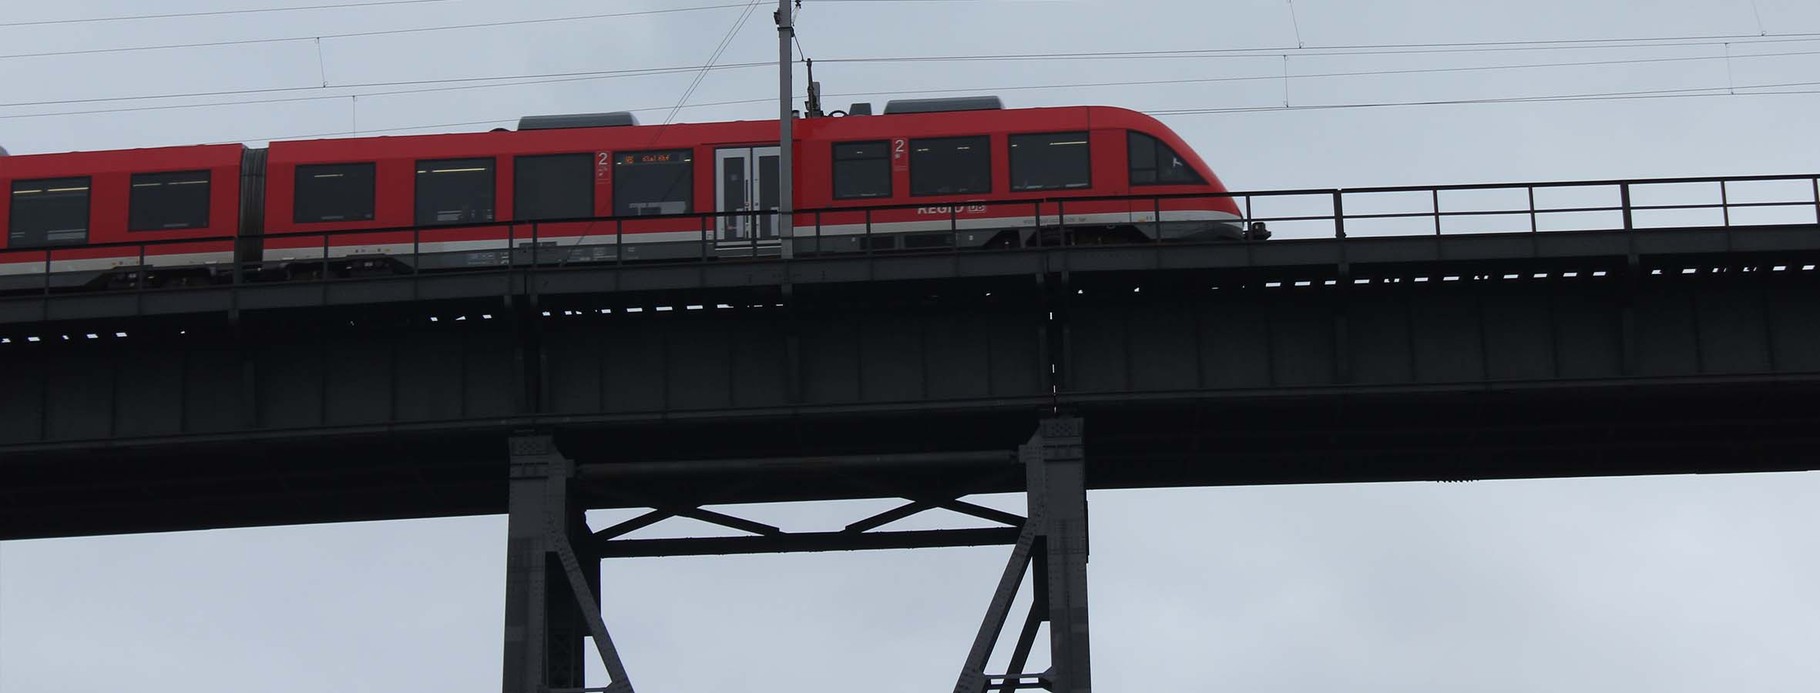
pixel 1435 333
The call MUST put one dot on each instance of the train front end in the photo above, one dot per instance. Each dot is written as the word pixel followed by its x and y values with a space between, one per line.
pixel 1174 194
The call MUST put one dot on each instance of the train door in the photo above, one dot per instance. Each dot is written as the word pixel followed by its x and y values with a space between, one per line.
pixel 746 189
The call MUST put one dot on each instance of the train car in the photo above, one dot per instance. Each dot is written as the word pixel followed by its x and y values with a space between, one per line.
pixel 573 188
pixel 93 219
pixel 924 174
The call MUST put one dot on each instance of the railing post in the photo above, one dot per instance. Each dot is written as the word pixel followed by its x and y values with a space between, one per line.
pixel 1061 223
pixel 142 272
pixel 868 240
pixel 534 241
pixel 1725 205
pixel 818 232
pixel 1435 204
pixel 619 241
pixel 323 274
pixel 1249 214
pixel 1624 201
pixel 47 271
pixel 1036 232
pixel 701 223
pixel 1816 181
pixel 1036 222
pixel 1534 227
pixel 1156 218
pixel 954 224
pixel 1339 214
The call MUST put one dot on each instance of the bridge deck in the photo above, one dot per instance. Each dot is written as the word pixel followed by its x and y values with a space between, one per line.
pixel 1288 361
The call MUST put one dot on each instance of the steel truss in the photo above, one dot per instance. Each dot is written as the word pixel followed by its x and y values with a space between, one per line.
pixel 550 546
pixel 1054 542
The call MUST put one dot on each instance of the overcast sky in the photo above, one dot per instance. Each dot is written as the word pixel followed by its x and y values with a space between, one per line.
pixel 1661 584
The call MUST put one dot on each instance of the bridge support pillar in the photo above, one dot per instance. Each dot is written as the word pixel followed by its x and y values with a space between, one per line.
pixel 551 591
pixel 1052 545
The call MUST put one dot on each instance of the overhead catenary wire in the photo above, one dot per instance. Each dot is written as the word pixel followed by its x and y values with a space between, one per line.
pixel 713 58
pixel 1335 50
pixel 1295 23
pixel 598 74
pixel 1359 49
pixel 1355 50
pixel 362 34
pixel 217 13
pixel 507 120
pixel 1782 89
pixel 542 80
pixel 1327 75
pixel 339 96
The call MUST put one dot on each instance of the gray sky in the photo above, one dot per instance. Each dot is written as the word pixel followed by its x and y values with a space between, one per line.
pixel 1665 584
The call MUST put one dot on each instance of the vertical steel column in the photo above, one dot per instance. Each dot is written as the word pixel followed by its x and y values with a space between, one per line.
pixel 544 627
pixel 786 150
pixel 1054 542
pixel 1062 489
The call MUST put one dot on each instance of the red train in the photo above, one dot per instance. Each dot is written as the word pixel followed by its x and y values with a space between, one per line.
pixel 933 173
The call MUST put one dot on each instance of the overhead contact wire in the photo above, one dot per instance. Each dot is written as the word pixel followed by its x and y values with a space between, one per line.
pixel 362 34
pixel 217 13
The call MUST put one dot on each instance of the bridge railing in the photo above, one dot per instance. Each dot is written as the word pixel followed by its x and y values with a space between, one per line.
pixel 1538 207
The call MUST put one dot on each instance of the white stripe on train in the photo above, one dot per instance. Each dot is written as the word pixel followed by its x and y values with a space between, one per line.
pixel 103 264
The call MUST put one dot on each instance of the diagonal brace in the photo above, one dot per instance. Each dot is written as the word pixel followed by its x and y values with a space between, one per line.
pixel 973 673
pixel 597 626
pixel 982 512
pixel 730 522
pixel 889 516
pixel 916 506
pixel 634 524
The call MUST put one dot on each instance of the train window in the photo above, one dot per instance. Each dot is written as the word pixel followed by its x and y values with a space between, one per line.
pixel 652 183
pixel 334 192
pixel 1154 163
pixel 557 186
pixel 49 212
pixel 862 170
pixel 1052 161
pixel 168 201
pixel 950 166
pixel 454 191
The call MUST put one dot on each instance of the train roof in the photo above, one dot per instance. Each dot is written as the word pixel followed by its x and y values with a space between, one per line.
pixel 912 118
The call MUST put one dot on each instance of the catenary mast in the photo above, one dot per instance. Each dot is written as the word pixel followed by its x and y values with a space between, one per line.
pixel 786 170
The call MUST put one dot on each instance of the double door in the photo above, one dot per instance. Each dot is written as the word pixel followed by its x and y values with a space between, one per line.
pixel 746 190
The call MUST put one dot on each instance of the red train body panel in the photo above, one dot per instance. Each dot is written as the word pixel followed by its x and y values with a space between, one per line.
pixel 109 240
pixel 596 192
